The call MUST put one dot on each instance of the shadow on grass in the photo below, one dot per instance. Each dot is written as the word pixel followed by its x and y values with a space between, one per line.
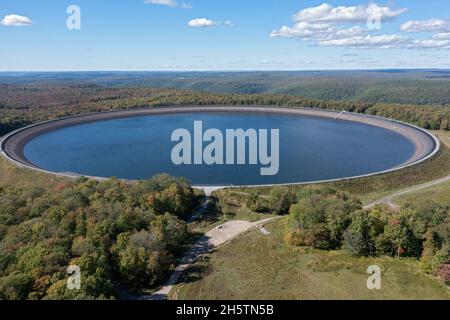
pixel 196 271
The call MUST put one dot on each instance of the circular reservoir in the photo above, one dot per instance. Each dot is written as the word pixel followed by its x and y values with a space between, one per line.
pixel 314 145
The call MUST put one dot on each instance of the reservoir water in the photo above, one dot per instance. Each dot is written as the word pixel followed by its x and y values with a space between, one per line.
pixel 311 148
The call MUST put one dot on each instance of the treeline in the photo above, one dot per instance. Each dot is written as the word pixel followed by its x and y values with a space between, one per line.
pixel 327 219
pixel 23 105
pixel 120 236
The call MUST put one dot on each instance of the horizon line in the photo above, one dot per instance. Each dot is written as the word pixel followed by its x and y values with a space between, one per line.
pixel 212 71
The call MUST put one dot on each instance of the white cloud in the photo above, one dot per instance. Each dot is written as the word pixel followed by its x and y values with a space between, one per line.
pixel 349 32
pixel 330 14
pixel 186 5
pixel 15 20
pixel 304 30
pixel 169 3
pixel 332 26
pixel 316 31
pixel 369 41
pixel 442 36
pixel 201 23
pixel 431 25
pixel 342 26
pixel 439 27
pixel 387 41
pixel 429 44
pixel 229 24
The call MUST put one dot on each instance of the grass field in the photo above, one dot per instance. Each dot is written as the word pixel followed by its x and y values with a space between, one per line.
pixel 256 266
pixel 438 194
pixel 11 175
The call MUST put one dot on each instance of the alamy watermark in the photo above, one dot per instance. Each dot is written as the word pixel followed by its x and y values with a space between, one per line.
pixel 374 18
pixel 73 22
pixel 374 281
pixel 74 280
pixel 229 148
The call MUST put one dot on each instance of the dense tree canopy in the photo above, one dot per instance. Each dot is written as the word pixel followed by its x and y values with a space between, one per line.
pixel 21 105
pixel 116 233
pixel 324 218
pixel 320 219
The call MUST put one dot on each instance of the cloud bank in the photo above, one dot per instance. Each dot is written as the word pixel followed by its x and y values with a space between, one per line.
pixel 342 26
pixel 329 14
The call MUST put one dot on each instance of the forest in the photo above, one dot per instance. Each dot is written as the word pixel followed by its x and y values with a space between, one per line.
pixel 402 86
pixel 121 236
pixel 21 105
pixel 128 237
pixel 327 219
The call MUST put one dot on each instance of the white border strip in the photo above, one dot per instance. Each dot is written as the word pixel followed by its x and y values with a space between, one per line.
pixel 212 187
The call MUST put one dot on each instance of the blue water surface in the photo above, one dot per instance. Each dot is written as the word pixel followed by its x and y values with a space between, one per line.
pixel 311 148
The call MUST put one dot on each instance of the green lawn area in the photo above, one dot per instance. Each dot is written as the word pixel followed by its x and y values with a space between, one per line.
pixel 256 266
pixel 11 175
pixel 439 194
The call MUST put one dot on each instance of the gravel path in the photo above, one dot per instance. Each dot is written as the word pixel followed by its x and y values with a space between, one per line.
pixel 213 239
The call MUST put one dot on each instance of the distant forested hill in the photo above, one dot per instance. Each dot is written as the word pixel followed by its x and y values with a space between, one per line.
pixel 419 87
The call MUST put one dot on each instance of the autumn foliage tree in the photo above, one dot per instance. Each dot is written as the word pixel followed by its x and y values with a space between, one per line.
pixel 109 229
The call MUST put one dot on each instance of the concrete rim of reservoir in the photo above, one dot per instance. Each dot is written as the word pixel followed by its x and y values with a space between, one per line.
pixel 426 144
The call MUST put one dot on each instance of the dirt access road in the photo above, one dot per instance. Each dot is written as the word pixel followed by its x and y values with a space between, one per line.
pixel 388 200
pixel 212 239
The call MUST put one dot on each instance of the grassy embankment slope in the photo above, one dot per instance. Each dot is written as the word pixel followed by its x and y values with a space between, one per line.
pixel 439 193
pixel 11 175
pixel 257 266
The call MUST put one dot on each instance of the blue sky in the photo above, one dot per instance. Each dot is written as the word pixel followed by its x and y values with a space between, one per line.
pixel 224 35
